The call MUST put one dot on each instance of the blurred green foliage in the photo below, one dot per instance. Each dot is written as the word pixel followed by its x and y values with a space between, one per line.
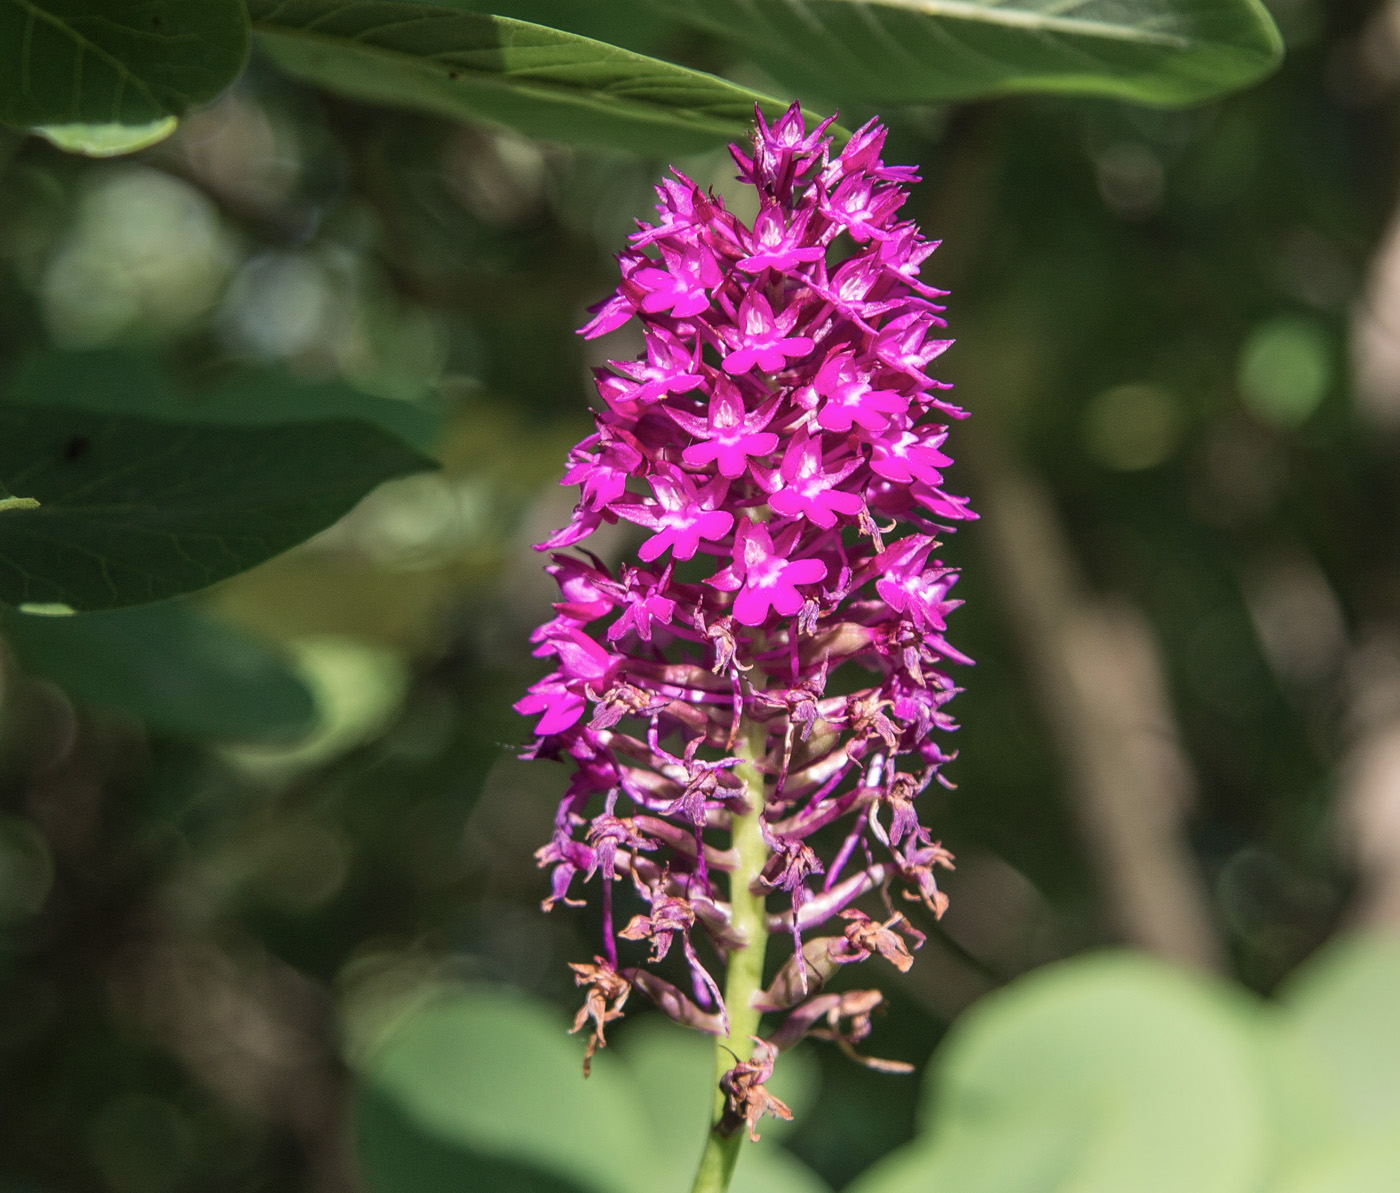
pixel 171 667
pixel 1113 1072
pixel 484 1078
pixel 1107 1072
pixel 244 836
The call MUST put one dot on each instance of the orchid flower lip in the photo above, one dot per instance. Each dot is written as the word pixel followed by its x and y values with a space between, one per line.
pixel 779 447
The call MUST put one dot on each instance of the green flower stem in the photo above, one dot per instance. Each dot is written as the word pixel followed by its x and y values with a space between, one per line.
pixel 745 970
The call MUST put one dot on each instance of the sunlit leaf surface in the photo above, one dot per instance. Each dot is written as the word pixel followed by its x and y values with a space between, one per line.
pixel 926 51
pixel 107 140
pixel 540 81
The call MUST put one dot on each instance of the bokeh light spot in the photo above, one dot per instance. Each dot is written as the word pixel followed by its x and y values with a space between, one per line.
pixel 1285 370
pixel 1132 427
pixel 146 254
pixel 1131 180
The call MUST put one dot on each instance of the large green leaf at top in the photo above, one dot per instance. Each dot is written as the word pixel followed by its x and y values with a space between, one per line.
pixel 177 669
pixel 540 81
pixel 128 62
pixel 133 510
pixel 633 24
pixel 929 51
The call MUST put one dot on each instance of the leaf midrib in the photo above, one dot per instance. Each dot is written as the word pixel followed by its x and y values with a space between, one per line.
pixel 582 97
pixel 966 10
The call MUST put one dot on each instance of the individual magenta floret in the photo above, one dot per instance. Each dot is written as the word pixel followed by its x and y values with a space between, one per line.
pixel 780 444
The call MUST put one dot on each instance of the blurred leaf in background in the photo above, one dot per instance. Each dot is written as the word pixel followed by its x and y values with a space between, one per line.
pixel 496 1081
pixel 1112 1072
pixel 169 666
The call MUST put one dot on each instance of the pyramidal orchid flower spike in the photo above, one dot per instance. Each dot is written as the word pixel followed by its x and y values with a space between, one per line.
pixel 780 443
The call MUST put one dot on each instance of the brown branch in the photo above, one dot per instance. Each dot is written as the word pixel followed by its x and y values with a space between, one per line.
pixel 1099 679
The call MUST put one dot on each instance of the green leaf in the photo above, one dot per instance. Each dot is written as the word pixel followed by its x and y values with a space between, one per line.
pixel 470 66
pixel 486 1082
pixel 932 51
pixel 266 397
pixel 495 1075
pixel 358 689
pixel 175 668
pixel 1097 1076
pixel 120 381
pixel 1344 1008
pixel 763 1167
pixel 397 1155
pixel 1304 1115
pixel 633 24
pixel 134 510
pixel 111 380
pixel 661 1055
pixel 1335 1053
pixel 1021 1155
pixel 107 140
pixel 1367 1166
pixel 125 62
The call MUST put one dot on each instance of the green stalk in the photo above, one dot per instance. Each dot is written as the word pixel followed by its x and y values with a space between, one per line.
pixel 744 978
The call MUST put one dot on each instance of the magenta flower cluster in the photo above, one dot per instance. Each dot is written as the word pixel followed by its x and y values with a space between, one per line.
pixel 780 443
